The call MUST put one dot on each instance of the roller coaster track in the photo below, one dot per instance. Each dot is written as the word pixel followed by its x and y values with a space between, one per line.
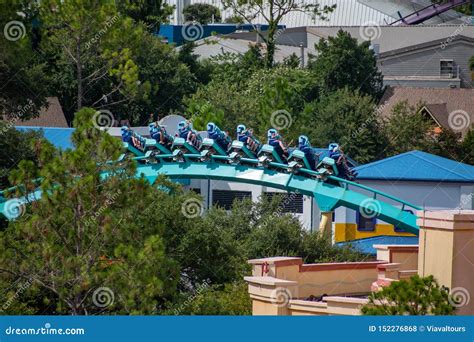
pixel 329 192
pixel 428 12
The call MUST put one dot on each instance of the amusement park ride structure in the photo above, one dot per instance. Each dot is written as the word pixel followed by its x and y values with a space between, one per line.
pixel 181 160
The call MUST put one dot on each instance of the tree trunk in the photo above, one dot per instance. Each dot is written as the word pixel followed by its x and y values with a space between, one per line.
pixel 79 74
pixel 272 29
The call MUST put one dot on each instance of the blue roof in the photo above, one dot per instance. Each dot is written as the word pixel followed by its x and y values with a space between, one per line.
pixel 366 245
pixel 417 166
pixel 59 137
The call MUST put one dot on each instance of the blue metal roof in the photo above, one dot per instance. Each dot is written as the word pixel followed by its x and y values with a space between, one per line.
pixel 417 166
pixel 59 137
pixel 366 245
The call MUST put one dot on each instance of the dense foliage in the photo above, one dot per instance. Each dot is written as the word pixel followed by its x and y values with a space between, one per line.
pixel 416 296
pixel 85 233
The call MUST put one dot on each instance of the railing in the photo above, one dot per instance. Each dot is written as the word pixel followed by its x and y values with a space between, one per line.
pixel 376 192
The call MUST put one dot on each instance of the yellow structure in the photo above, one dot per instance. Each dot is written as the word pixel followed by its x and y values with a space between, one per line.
pixel 286 286
pixel 349 231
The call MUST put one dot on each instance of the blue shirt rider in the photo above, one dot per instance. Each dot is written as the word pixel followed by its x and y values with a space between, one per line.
pixel 274 139
pixel 126 134
pixel 158 132
pixel 305 146
pixel 186 132
pixel 221 138
pixel 246 136
pixel 341 162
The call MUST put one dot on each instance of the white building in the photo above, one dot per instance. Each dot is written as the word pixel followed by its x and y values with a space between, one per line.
pixel 347 13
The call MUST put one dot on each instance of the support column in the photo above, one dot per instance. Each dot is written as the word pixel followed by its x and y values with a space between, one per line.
pixel 447 252
pixel 325 225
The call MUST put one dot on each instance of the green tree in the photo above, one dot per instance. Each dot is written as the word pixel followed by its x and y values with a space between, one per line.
pixel 407 129
pixel 229 299
pixel 348 118
pixel 417 296
pixel 468 148
pixel 91 55
pixel 150 12
pixel 273 12
pixel 83 240
pixel 22 75
pixel 202 13
pixel 342 62
pixel 16 146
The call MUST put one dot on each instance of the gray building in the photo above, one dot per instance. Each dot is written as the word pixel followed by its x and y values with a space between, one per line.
pixel 408 56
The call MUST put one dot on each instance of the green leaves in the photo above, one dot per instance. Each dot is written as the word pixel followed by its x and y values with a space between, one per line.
pixel 342 62
pixel 416 296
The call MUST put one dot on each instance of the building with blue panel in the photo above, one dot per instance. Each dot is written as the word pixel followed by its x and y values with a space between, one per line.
pixel 179 34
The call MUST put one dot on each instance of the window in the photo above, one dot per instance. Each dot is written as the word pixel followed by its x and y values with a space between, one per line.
pixel 447 68
pixel 290 202
pixel 365 224
pixel 196 190
pixel 225 198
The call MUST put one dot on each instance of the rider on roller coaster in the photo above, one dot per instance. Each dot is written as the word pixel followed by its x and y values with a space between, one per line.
pixel 274 139
pixel 158 132
pixel 221 138
pixel 186 132
pixel 246 136
pixel 305 146
pixel 126 134
pixel 336 153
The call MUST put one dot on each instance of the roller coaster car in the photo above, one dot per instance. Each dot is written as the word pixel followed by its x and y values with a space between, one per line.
pixel 298 160
pixel 210 147
pixel 267 154
pixel 181 147
pixel 327 167
pixel 239 150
